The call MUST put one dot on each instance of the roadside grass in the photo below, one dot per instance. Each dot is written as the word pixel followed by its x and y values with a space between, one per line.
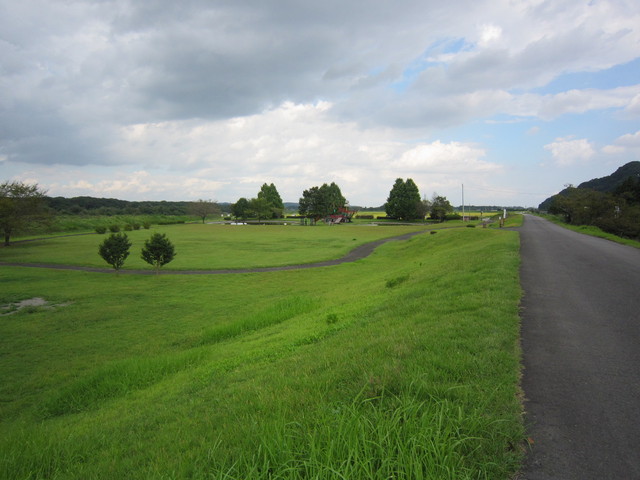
pixel 200 247
pixel 591 230
pixel 402 365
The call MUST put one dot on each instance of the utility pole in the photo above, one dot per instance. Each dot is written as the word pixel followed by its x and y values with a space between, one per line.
pixel 463 203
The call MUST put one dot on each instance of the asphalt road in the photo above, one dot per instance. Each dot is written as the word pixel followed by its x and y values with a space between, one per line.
pixel 581 354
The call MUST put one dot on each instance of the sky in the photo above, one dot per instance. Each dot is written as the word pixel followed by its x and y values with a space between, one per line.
pixel 210 99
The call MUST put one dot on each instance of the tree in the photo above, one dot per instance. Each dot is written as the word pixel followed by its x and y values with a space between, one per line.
pixel 115 249
pixel 583 206
pixel 440 207
pixel 158 251
pixel 424 207
pixel 271 195
pixel 241 208
pixel 261 208
pixel 21 206
pixel 404 200
pixel 318 202
pixel 204 208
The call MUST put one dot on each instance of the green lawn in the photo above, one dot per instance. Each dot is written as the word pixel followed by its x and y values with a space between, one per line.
pixel 402 365
pixel 206 246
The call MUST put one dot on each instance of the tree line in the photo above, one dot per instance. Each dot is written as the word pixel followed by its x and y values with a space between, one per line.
pixel 616 212
pixel 23 205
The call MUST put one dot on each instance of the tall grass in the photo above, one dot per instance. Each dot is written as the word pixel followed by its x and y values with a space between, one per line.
pixel 403 365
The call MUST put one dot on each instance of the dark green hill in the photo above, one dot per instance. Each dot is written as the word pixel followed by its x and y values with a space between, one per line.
pixel 603 184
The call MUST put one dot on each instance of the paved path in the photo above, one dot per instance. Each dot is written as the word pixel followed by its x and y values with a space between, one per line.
pixel 581 354
pixel 356 254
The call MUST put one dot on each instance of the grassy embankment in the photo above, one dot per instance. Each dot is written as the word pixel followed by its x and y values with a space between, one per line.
pixel 403 365
pixel 592 230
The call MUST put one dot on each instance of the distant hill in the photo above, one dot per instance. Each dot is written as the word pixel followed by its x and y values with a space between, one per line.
pixel 604 184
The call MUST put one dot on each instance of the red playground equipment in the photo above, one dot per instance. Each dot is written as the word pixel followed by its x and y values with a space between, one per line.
pixel 343 215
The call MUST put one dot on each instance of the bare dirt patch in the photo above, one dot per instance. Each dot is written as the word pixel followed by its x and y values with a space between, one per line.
pixel 35 302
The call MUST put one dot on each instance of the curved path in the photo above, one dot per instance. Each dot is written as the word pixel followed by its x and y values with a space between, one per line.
pixel 581 354
pixel 356 254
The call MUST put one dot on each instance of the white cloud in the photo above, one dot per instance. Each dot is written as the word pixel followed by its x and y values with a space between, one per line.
pixel 624 144
pixel 568 151
pixel 489 34
pixel 438 157
pixel 237 93
pixel 294 146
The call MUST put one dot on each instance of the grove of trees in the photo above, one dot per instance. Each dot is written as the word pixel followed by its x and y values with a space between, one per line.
pixel 23 206
pixel 267 204
pixel 616 212
pixel 318 202
pixel 404 201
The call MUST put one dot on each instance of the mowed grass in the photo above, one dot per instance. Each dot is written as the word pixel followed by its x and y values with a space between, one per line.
pixel 403 365
pixel 204 246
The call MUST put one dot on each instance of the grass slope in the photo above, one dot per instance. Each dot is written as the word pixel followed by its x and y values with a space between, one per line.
pixel 206 246
pixel 402 365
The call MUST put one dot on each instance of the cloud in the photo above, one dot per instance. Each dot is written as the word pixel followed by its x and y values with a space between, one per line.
pixel 438 157
pixel 624 144
pixel 296 146
pixel 568 151
pixel 238 93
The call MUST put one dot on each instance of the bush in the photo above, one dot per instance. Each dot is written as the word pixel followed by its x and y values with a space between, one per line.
pixel 115 249
pixel 158 251
pixel 101 229
pixel 146 225
pixel 114 228
pixel 136 226
pixel 128 227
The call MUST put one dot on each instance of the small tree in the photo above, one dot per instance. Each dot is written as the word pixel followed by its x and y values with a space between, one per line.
pixel 261 208
pixel 271 195
pixel 21 206
pixel 115 249
pixel 158 251
pixel 241 208
pixel 440 207
pixel 204 208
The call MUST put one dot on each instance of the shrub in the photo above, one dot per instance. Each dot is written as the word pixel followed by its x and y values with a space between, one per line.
pixel 101 229
pixel 114 228
pixel 136 226
pixel 146 225
pixel 115 249
pixel 128 227
pixel 158 251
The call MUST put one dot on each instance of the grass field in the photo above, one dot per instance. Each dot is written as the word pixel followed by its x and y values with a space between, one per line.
pixel 402 365
pixel 203 246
